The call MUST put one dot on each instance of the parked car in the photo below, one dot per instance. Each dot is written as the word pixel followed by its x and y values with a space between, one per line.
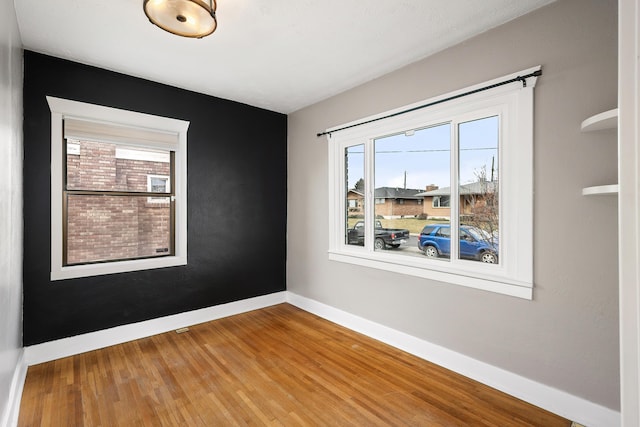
pixel 384 237
pixel 476 244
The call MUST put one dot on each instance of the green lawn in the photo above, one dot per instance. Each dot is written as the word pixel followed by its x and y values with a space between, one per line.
pixel 414 225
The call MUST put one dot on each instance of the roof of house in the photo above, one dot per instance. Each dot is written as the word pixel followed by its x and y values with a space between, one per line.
pixel 392 193
pixel 397 193
pixel 480 187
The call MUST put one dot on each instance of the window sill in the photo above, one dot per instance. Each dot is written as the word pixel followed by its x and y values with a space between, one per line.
pixel 394 264
pixel 89 270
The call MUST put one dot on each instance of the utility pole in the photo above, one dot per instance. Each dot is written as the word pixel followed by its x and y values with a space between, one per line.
pixel 493 160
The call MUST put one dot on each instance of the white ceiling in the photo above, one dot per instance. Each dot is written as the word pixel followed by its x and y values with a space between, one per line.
pixel 277 54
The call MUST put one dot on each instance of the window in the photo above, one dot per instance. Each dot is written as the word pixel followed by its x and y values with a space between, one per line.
pixel 118 190
pixel 428 229
pixel 471 159
pixel 353 203
pixel 158 184
pixel 441 201
pixel 444 232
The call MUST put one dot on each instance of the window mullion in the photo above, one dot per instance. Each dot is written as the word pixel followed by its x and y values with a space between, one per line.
pixel 172 203
pixel 65 213
pixel 369 186
pixel 64 196
pixel 454 200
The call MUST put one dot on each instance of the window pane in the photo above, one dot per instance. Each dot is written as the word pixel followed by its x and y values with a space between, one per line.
pixel 411 170
pixel 158 185
pixel 102 166
pixel 354 169
pixel 106 228
pixel 479 189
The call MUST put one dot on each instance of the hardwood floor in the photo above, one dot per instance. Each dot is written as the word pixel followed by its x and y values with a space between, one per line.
pixel 276 366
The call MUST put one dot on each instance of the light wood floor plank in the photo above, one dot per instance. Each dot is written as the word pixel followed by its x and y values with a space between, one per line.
pixel 279 366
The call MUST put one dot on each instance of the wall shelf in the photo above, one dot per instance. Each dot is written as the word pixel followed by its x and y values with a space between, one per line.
pixel 600 190
pixel 602 121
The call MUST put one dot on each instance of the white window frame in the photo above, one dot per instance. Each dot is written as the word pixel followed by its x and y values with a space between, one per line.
pixel 513 102
pixel 63 108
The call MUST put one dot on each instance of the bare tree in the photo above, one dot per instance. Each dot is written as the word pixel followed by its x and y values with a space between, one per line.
pixel 484 206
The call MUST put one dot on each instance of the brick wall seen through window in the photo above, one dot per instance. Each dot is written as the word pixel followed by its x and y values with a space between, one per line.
pixel 103 227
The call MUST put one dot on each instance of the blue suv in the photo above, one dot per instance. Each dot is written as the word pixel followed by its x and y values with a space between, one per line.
pixel 476 244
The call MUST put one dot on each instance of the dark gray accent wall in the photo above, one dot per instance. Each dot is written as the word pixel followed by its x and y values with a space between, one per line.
pixel 237 178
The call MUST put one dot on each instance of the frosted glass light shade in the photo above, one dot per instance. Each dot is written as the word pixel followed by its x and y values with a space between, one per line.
pixel 186 18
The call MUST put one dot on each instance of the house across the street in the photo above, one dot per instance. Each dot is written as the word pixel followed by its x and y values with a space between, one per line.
pixel 437 201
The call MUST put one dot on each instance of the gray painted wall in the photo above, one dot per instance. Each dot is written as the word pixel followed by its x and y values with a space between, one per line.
pixel 10 200
pixel 567 337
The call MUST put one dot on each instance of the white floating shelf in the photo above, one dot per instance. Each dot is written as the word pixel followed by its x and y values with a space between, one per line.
pixel 602 121
pixel 600 189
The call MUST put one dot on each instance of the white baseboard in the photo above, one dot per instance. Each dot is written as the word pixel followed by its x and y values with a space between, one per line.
pixel 557 401
pixel 543 396
pixel 10 417
pixel 53 350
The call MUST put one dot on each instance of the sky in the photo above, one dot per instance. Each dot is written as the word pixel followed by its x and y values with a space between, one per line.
pixel 424 155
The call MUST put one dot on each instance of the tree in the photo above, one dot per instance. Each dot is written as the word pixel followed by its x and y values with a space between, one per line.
pixel 485 206
pixel 360 185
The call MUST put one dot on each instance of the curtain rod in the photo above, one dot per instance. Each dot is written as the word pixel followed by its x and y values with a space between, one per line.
pixel 522 79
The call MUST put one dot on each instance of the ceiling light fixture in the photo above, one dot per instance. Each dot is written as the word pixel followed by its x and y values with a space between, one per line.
pixel 186 18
